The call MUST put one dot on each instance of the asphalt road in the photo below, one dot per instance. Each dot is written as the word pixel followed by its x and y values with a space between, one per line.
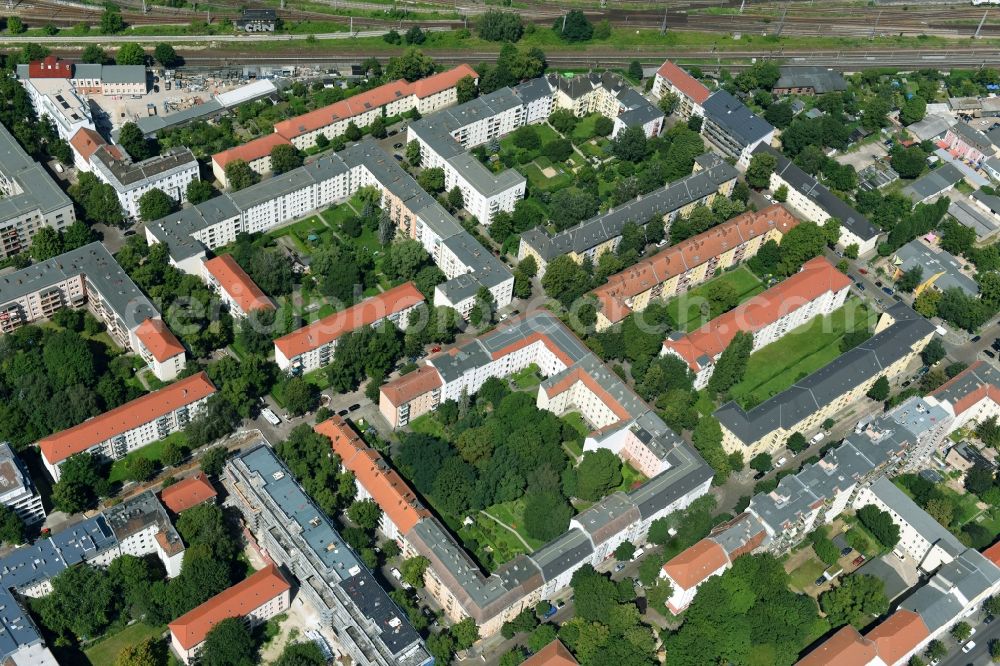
pixel 979 655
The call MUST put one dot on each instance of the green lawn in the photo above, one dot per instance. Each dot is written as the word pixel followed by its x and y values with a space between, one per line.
pixel 576 420
pixel 106 651
pixel 584 130
pixel 491 544
pixel 592 149
pixel 630 476
pixel 807 573
pixel 336 215
pixel 428 424
pixel 799 353
pixel 152 451
pixel 512 513
pixel 543 183
pixel 686 309
pixel 527 378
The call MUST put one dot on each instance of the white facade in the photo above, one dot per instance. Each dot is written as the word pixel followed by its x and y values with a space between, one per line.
pixel 16 490
pixel 171 173
pixel 268 609
pixel 166 370
pixel 56 99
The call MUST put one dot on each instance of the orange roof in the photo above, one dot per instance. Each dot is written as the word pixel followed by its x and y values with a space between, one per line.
pixel 371 99
pixel 251 150
pixel 188 493
pixel 898 635
pixel 972 397
pixel 49 67
pixel 612 297
pixel 696 564
pixel 240 600
pixel 684 82
pixel 56 448
pixel 553 654
pixel 365 313
pixel 86 142
pixel 404 389
pixel 993 553
pixel 157 338
pixel 235 282
pixel 580 375
pixel 817 277
pixel 383 483
pixel 845 648
pixel 529 340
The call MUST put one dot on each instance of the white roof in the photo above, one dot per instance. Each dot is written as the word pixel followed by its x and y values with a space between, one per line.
pixel 246 93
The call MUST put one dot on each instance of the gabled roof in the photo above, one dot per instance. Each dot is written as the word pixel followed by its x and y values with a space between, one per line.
pixel 407 387
pixel 157 338
pixel 553 654
pixel 240 600
pixel 251 150
pixel 898 635
pixel 190 492
pixel 694 565
pixel 86 142
pixel 684 82
pixel 235 282
pixel 845 648
pixel 50 67
pixel 365 313
pixel 56 448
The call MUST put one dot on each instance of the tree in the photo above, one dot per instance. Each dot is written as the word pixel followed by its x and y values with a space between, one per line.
pixel 910 279
pixel 761 462
pixel 565 280
pixel 352 132
pixel 172 454
pixel 213 460
pixel 82 602
pixel 300 396
pixel 112 22
pixel 879 391
pixel 455 199
pixel 781 196
pixel 992 605
pixel 412 570
pixel 46 243
pixel 154 204
pixel 546 514
pixel 779 114
pixel 166 56
pixel 94 54
pixel 140 469
pixel 411 66
pixel 415 36
pixel 199 191
pixel 909 162
pixel 625 551
pixel 377 128
pixel 239 175
pixel 758 175
pixel 978 479
pixel 995 650
pixel 597 473
pixel 961 632
pixel 301 654
pixel 941 510
pixel 498 26
pixel 563 121
pixel 146 652
pixel 630 144
pixel 558 150
pixel 796 442
pixel 79 485
pixel 432 180
pixel 936 650
pixel 413 153
pixel 707 438
pixel 732 363
pixel 933 351
pixel 603 126
pixel 130 53
pixel 574 27
pixel 14 25
pixel 855 601
pixel 927 302
pixel 229 643
pixel 285 157
pixel 880 524
pixel 132 140
pixel 366 514
pixel 668 103
pixel 913 110
pixel 957 238
pixel 11 527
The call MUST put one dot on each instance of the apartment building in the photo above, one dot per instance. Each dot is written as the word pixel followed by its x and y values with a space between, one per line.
pixel 131 426
pixel 575 381
pixel 608 94
pixel 188 493
pixel 691 94
pixel 680 267
pixel 711 556
pixel 733 128
pixel 967 143
pixel 85 143
pixel 142 527
pixel 160 349
pixel 299 536
pixel 256 153
pixel 29 198
pixel 818 289
pixel 974 395
pixel 712 176
pixel 237 289
pixel 939 269
pixel 817 204
pixel 328 180
pixel 170 172
pixel 16 489
pixel 256 599
pixel 313 346
pixel 899 337
pixel 55 98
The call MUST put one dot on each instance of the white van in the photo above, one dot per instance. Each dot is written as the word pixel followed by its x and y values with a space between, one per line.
pixel 270 416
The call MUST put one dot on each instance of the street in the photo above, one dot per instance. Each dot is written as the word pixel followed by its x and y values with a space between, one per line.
pixel 980 654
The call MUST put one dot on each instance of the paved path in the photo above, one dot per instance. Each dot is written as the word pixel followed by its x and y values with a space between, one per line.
pixel 508 528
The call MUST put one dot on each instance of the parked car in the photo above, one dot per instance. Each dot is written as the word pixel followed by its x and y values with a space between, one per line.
pixel 888 291
pixel 820 580
pixel 342 412
pixel 858 560
pixel 846 550
pixel 619 567
pixel 435 350
pixel 863 271
pixel 397 145
pixel 990 353
pixel 996 344
pixel 353 408
pixel 976 338
pixel 969 647
pixel 878 283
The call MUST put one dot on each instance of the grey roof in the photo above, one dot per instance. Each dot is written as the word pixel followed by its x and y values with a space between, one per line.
pixel 38 190
pixel 985 225
pixel 139 512
pixel 533 89
pixel 338 563
pixel 123 74
pixel 605 226
pixel 485 182
pixel 563 553
pixel 801 181
pixel 943 598
pixel 738 534
pixel 83 70
pixel 932 183
pixel 964 103
pixel 935 262
pixel 150 125
pixel 915 517
pixel 931 127
pixel 124 174
pixel 990 201
pixel 973 137
pixel 970 380
pixel 100 269
pixel 735 118
pixel 895 584
pixel 820 79
pixel 824 386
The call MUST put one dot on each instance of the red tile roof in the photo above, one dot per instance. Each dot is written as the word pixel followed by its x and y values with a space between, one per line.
pixel 86 142
pixel 365 313
pixel 898 635
pixel 580 375
pixel 993 553
pixel 251 150
pixel 50 67
pixel 384 484
pixel 845 648
pixel 684 82
pixel 238 601
pixel 411 385
pixel 680 258
pixel 235 282
pixel 56 448
pixel 553 654
pixel 970 399
pixel 157 338
pixel 371 99
pixel 188 493
pixel 817 277
pixel 696 564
